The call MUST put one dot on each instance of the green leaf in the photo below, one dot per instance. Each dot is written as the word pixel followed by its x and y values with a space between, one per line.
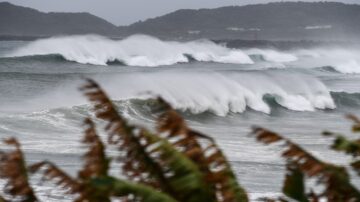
pixel 294 186
pixel 334 178
pixel 186 179
pixel 356 166
pixel 2 199
pixel 121 188
pixel 196 146
pixel 150 159
pixel 351 147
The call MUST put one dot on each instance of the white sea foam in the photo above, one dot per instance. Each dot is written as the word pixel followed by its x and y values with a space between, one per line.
pixel 198 92
pixel 137 50
pixel 142 50
pixel 225 93
pixel 346 61
pixel 343 60
pixel 221 94
pixel 350 67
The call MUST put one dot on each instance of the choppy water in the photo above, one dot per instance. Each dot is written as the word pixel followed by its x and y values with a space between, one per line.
pixel 220 91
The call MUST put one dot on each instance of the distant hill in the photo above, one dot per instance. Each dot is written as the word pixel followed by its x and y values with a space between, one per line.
pixel 21 21
pixel 272 21
pixel 283 20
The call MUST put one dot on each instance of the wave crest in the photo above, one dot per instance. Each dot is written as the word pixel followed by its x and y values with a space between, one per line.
pixel 198 92
pixel 350 67
pixel 225 93
pixel 137 50
pixel 147 51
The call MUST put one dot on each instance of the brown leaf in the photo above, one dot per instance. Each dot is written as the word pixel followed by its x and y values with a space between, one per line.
pixel 14 171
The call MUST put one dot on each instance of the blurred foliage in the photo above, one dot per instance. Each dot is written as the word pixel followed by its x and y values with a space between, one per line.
pixel 334 179
pixel 172 164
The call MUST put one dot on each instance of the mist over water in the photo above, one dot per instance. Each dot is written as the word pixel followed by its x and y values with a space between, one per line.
pixel 220 91
pixel 146 51
pixel 138 50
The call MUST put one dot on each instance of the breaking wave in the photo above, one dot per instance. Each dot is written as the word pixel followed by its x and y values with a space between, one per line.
pixel 147 51
pixel 235 93
pixel 349 67
pixel 198 92
pixel 344 61
pixel 142 108
pixel 137 50
pixel 139 108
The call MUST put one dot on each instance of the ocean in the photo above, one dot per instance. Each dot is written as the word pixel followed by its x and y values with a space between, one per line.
pixel 298 92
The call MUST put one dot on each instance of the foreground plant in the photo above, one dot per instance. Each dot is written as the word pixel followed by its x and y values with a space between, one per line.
pixel 334 179
pixel 13 169
pixel 172 164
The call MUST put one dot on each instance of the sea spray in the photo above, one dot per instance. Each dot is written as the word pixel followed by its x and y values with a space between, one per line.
pixel 198 92
pixel 147 51
pixel 137 50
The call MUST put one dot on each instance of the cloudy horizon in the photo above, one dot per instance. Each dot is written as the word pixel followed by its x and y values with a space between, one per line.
pixel 129 11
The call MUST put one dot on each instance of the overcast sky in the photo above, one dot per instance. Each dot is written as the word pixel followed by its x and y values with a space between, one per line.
pixel 124 12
